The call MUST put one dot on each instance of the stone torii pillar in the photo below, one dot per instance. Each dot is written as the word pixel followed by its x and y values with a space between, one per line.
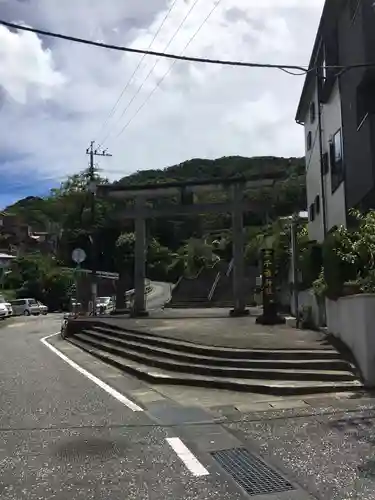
pixel 139 308
pixel 238 252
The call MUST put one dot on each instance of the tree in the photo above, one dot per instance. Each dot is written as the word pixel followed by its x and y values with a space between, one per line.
pixel 194 255
pixel 349 258
pixel 39 277
pixel 159 260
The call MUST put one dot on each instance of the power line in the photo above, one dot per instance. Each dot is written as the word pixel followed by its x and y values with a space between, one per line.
pixel 154 66
pixel 222 62
pixel 170 68
pixel 137 67
pixel 302 73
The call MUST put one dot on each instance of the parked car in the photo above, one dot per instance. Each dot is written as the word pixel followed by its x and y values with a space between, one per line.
pixel 25 307
pixel 3 311
pixel 104 305
pixel 42 308
pixel 7 305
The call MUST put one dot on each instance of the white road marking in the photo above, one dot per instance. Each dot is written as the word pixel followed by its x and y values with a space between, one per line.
pixel 117 395
pixel 13 325
pixel 191 462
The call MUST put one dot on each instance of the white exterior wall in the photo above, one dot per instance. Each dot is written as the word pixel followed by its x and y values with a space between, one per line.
pixel 335 206
pixel 352 319
pixel 313 181
pixel 331 123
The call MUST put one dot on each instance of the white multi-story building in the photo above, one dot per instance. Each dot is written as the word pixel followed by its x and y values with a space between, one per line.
pixel 324 154
pixel 336 109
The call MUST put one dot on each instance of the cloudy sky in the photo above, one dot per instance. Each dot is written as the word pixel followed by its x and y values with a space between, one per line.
pixel 56 96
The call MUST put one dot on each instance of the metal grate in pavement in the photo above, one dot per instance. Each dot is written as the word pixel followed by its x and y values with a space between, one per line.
pixel 255 476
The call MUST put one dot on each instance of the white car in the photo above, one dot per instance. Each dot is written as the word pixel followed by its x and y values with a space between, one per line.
pixel 104 305
pixel 4 313
pixel 25 307
pixel 7 306
pixel 42 308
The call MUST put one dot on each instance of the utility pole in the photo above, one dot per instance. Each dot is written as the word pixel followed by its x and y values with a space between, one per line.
pixel 295 251
pixel 92 152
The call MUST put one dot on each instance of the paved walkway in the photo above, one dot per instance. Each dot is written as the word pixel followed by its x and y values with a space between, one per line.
pixel 214 327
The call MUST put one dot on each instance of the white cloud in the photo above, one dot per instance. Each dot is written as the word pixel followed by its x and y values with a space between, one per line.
pixel 199 110
pixel 25 66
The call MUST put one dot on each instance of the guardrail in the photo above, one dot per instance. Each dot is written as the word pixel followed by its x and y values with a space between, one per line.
pixel 213 288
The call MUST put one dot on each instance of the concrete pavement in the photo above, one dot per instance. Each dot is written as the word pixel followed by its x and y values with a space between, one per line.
pixel 64 437
pixel 73 428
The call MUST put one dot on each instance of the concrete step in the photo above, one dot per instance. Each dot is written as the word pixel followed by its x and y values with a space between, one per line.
pixel 188 304
pixel 209 304
pixel 132 342
pixel 154 360
pixel 275 387
pixel 327 353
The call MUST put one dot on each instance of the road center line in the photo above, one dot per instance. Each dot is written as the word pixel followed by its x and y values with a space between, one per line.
pixel 191 462
pixel 117 395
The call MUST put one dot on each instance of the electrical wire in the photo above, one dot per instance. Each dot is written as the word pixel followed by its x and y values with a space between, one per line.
pixel 169 69
pixel 302 73
pixel 136 69
pixel 154 66
pixel 222 62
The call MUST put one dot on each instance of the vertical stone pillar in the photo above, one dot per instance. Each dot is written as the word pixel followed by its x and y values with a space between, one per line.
pixel 140 261
pixel 238 252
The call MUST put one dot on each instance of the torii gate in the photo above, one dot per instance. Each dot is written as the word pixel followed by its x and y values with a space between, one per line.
pixel 139 211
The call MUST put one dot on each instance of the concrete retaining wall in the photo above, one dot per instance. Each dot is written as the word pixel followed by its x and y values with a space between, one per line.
pixel 352 320
pixel 307 298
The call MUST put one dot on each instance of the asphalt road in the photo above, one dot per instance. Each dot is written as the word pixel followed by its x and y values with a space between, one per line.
pixel 159 295
pixel 68 431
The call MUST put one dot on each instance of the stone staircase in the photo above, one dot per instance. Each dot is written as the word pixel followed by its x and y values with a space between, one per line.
pixel 194 292
pixel 162 360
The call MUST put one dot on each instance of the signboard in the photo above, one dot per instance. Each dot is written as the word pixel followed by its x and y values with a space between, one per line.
pixel 78 255
pixel 268 282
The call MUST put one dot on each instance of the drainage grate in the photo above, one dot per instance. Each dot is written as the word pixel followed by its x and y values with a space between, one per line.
pixel 255 476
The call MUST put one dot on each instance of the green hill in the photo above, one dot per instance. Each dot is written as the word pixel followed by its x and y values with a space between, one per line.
pixel 228 166
pixel 67 209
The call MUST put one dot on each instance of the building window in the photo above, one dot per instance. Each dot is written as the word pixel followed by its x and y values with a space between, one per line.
pixel 336 160
pixel 312 212
pixel 309 141
pixel 312 112
pixel 317 205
